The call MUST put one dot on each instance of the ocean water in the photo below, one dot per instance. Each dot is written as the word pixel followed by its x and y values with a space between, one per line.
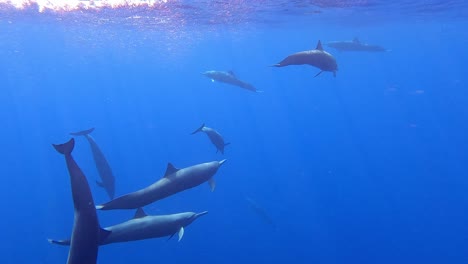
pixel 370 166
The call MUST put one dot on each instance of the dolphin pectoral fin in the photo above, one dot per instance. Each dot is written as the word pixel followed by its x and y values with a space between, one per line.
pixel 100 184
pixel 103 235
pixel 212 184
pixel 181 233
pixel 61 242
pixel 171 169
pixel 232 73
pixel 318 74
pixel 140 213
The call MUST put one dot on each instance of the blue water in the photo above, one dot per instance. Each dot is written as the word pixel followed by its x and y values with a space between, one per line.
pixel 367 167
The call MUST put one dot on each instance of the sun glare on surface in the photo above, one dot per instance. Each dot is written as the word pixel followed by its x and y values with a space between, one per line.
pixel 72 5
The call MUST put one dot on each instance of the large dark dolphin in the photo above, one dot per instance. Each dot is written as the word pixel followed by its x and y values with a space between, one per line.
pixel 144 226
pixel 355 45
pixel 174 181
pixel 317 57
pixel 230 78
pixel 86 234
pixel 102 166
pixel 214 136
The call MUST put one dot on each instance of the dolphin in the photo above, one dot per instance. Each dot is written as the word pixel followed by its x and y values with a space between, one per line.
pixel 86 234
pixel 144 226
pixel 214 136
pixel 102 166
pixel 175 180
pixel 355 45
pixel 228 77
pixel 317 57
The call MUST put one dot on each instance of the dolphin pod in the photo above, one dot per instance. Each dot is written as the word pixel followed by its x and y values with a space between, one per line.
pixel 102 166
pixel 144 226
pixel 229 77
pixel 175 180
pixel 317 58
pixel 214 137
pixel 355 45
pixel 86 234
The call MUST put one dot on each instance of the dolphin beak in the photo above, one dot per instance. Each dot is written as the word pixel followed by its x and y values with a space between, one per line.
pixel 200 214
pixel 222 162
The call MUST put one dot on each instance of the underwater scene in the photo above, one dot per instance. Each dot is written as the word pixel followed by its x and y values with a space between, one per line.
pixel 234 131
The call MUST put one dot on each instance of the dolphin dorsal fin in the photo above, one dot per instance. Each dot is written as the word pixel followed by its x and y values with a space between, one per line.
pixel 356 40
pixel 140 213
pixel 319 45
pixel 171 169
pixel 232 73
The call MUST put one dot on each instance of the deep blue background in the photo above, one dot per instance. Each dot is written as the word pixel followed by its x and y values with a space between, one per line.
pixel 367 167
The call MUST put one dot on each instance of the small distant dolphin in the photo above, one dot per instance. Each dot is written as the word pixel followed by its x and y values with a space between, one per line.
pixel 214 136
pixel 317 58
pixel 86 234
pixel 175 180
pixel 228 77
pixel 144 226
pixel 260 211
pixel 355 45
pixel 102 166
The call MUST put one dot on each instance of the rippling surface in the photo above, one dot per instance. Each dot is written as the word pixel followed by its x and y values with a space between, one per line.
pixel 152 14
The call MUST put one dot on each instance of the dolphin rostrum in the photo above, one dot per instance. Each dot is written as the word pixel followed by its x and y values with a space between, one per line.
pixel 86 234
pixel 175 180
pixel 317 57
pixel 229 77
pixel 214 136
pixel 102 166
pixel 144 226
pixel 355 45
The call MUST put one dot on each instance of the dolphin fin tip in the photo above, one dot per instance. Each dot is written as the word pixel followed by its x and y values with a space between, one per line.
pixel 99 207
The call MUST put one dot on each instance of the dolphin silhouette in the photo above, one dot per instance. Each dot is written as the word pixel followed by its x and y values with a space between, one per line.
pixel 86 234
pixel 355 45
pixel 144 226
pixel 102 166
pixel 214 137
pixel 175 180
pixel 229 77
pixel 317 58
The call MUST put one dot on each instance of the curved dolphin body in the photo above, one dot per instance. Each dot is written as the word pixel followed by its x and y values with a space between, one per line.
pixel 228 77
pixel 317 58
pixel 86 233
pixel 144 226
pixel 175 180
pixel 355 45
pixel 214 137
pixel 102 166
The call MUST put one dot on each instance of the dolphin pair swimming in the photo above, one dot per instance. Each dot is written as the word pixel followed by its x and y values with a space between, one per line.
pixel 229 77
pixel 214 137
pixel 317 57
pixel 87 233
pixel 102 166
pixel 355 45
pixel 175 180
pixel 144 226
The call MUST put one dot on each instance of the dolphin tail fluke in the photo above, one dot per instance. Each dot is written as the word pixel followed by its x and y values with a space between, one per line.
pixel 199 129
pixel 66 148
pixel 318 74
pixel 63 242
pixel 83 133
